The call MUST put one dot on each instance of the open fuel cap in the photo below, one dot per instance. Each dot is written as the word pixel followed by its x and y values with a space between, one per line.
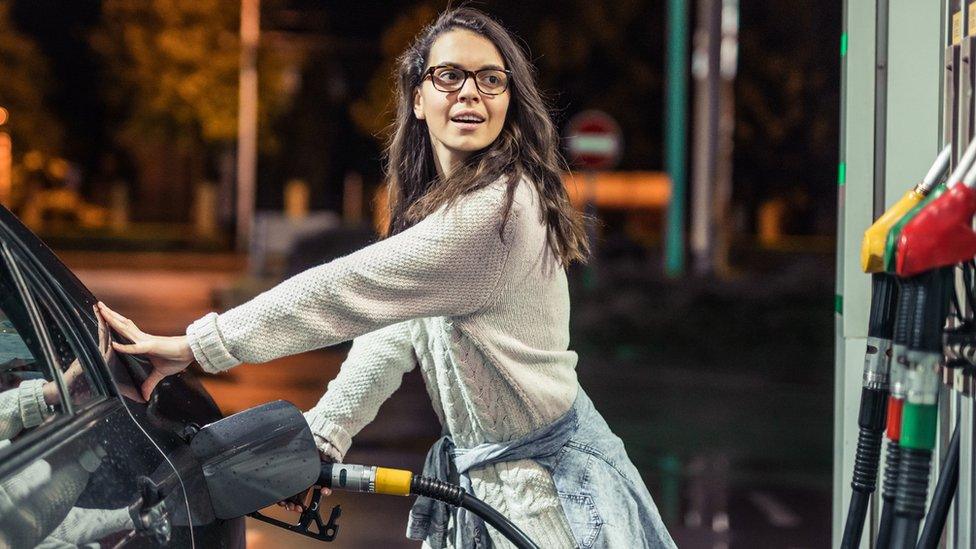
pixel 255 458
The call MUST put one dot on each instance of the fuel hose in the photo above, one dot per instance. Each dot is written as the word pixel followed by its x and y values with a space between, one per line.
pixel 399 482
pixel 920 413
pixel 874 396
pixel 945 491
pixel 904 316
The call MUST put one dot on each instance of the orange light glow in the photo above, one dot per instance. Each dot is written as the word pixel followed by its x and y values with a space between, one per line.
pixel 611 190
pixel 620 190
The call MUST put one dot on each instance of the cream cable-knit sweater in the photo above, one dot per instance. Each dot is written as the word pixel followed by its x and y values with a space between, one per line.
pixel 486 318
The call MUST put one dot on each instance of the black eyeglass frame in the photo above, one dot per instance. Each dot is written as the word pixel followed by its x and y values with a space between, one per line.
pixel 429 73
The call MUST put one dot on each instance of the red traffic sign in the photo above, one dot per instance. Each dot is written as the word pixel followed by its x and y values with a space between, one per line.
pixel 594 141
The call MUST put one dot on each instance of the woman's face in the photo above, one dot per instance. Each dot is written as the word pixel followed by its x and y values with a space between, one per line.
pixel 467 120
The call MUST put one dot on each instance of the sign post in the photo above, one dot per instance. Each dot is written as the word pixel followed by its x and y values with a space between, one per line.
pixel 594 143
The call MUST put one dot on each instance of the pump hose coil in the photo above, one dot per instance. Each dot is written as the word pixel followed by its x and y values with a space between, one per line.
pixel 383 480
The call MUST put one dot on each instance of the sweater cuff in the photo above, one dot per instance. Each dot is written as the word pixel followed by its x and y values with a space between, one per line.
pixel 326 447
pixel 330 437
pixel 207 345
pixel 33 409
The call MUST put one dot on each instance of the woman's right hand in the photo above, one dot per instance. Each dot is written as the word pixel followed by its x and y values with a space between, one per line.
pixel 168 355
pixel 297 502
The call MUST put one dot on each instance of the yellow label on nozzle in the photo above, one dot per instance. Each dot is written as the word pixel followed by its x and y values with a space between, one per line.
pixel 873 245
pixel 395 482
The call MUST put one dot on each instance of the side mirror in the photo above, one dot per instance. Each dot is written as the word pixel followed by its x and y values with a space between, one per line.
pixel 256 457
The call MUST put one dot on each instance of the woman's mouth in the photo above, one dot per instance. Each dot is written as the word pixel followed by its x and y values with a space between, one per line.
pixel 467 121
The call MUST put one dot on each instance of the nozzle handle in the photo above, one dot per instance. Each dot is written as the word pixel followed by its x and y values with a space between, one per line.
pixel 365 478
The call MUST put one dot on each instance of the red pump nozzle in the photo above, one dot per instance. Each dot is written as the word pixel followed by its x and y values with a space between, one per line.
pixel 940 235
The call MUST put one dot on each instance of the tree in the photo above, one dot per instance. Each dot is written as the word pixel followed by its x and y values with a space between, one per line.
pixel 787 106
pixel 26 79
pixel 372 114
pixel 172 72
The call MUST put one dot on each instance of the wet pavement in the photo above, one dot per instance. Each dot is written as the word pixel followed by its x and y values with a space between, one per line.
pixel 722 393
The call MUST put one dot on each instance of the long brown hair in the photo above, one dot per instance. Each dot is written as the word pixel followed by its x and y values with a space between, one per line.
pixel 528 145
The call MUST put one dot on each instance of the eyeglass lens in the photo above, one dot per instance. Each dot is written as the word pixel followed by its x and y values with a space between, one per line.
pixel 449 79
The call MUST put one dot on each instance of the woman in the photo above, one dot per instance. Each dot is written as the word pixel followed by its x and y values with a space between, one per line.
pixel 470 283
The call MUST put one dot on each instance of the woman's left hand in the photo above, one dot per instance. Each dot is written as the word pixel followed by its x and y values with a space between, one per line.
pixel 168 355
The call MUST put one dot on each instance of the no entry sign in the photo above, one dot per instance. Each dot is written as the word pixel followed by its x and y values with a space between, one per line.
pixel 594 141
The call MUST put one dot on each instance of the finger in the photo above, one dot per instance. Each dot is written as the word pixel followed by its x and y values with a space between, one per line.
pixel 117 317
pixel 102 332
pixel 121 324
pixel 137 348
pixel 154 378
pixel 326 491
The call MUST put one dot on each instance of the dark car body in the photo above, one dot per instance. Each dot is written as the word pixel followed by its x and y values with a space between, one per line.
pixel 105 468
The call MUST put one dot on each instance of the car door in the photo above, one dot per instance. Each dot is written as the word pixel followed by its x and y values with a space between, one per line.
pixel 76 469
pixel 178 406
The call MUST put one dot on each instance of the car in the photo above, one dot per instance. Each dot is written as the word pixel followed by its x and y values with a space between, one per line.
pixel 84 460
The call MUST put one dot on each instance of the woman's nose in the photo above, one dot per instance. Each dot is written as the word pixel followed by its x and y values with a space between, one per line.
pixel 469 91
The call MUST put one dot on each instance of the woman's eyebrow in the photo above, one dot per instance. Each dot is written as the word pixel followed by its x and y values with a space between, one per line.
pixel 458 65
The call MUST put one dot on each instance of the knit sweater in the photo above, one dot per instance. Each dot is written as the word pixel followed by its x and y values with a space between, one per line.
pixel 22 408
pixel 486 315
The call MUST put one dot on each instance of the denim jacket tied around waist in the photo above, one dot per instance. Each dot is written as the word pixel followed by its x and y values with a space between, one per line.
pixel 605 501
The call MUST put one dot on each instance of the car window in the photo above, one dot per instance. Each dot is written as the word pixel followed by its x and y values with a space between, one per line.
pixel 29 394
pixel 76 374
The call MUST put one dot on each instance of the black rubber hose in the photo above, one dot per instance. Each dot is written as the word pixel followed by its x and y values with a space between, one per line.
pixel 502 524
pixel 885 526
pixel 454 495
pixel 865 464
pixel 913 484
pixel 873 408
pixel 945 490
pixel 889 485
pixel 904 532
pixel 884 302
pixel 855 519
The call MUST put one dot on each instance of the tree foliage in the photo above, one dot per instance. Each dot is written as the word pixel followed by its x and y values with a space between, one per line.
pixel 175 69
pixel 373 113
pixel 787 110
pixel 24 79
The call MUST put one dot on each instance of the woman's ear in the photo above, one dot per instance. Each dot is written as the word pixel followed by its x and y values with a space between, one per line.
pixel 418 104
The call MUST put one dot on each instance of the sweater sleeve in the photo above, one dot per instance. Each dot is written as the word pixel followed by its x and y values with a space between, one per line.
pixel 446 265
pixel 372 371
pixel 22 408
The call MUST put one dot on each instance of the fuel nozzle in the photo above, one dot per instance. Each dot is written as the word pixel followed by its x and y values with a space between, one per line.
pixel 893 241
pixel 366 478
pixel 941 233
pixel 873 244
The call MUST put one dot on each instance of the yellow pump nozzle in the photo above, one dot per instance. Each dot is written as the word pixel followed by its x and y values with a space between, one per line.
pixel 395 482
pixel 873 245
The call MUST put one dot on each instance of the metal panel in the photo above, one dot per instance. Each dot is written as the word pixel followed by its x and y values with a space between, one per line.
pixel 912 131
pixel 857 193
pixel 914 103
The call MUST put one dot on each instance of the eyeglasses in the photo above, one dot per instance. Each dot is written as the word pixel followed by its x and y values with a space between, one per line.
pixel 451 79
